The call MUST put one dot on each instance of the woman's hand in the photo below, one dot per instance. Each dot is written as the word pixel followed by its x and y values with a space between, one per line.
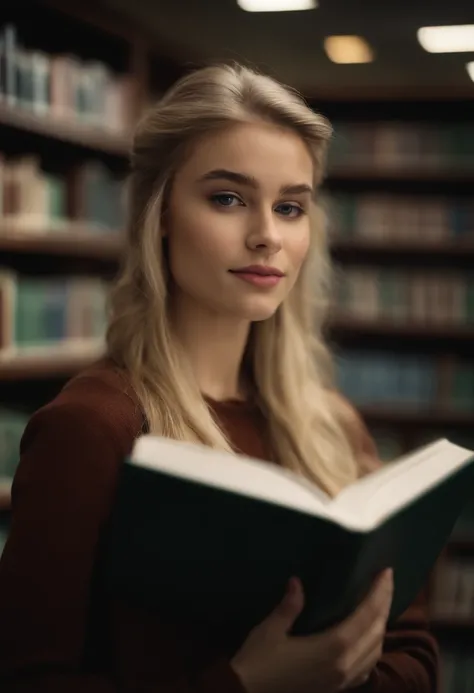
pixel 271 661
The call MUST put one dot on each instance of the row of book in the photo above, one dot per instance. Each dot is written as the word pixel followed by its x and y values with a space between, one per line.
pixel 37 312
pixel 452 595
pixel 370 377
pixel 422 297
pixel 395 145
pixel 63 86
pixel 33 199
pixel 388 217
pixel 457 670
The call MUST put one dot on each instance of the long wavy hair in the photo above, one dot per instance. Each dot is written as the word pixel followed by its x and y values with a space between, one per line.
pixel 286 359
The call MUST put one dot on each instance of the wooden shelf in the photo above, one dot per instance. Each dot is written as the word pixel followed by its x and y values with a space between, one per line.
pixel 362 173
pixel 342 326
pixel 402 94
pixel 63 360
pixel 406 414
pixel 73 242
pixel 449 250
pixel 97 139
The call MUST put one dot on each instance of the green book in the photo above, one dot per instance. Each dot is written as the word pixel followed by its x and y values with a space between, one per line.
pixel 213 538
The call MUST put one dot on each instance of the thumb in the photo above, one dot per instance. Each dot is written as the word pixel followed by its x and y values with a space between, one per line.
pixel 285 614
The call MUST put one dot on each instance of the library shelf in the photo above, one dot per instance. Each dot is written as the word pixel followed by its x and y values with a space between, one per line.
pixel 354 248
pixel 75 241
pixel 342 325
pixel 401 414
pixel 388 94
pixel 70 131
pixel 404 174
pixel 54 361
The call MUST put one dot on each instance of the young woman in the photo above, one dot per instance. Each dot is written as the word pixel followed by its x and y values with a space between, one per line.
pixel 213 338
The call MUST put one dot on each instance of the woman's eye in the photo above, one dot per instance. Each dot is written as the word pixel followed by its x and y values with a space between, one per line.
pixel 226 199
pixel 287 209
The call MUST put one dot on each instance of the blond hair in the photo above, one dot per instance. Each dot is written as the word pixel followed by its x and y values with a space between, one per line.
pixel 289 363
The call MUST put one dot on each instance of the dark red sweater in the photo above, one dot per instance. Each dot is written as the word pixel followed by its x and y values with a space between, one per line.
pixel 56 634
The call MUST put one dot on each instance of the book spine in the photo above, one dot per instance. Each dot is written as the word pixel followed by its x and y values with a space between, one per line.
pixel 64 86
pixel 408 297
pixel 38 312
pixel 396 146
pixel 34 200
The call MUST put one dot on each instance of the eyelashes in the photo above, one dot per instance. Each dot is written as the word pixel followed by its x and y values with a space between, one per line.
pixel 225 200
pixel 291 210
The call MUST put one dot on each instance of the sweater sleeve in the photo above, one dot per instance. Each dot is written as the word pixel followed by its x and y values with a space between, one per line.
pixel 62 492
pixel 410 660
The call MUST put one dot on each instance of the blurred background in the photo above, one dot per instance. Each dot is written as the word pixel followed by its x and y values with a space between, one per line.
pixel 397 83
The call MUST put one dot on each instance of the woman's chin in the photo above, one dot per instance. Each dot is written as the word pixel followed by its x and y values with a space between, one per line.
pixel 259 311
pixel 250 309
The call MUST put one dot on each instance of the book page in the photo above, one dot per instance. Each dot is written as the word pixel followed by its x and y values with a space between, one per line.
pixel 387 490
pixel 231 472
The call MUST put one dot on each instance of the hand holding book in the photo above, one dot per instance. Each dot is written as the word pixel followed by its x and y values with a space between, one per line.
pixel 273 661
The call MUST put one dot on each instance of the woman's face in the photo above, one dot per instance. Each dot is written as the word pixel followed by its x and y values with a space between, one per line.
pixel 237 225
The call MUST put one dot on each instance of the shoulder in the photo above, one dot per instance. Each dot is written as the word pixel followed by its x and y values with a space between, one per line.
pixel 356 431
pixel 74 446
pixel 96 415
pixel 98 401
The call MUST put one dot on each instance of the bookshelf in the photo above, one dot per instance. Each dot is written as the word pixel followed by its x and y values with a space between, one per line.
pixel 75 242
pixel 415 417
pixel 50 361
pixel 401 223
pixel 85 136
pixel 69 97
pixel 414 250
pixel 346 327
pixel 366 174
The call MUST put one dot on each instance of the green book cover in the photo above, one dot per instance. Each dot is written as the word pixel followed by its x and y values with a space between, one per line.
pixel 213 538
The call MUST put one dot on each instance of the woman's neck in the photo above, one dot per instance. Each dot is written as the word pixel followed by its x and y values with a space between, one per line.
pixel 215 347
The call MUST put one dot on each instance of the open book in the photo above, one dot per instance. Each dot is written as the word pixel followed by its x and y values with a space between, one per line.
pixel 213 537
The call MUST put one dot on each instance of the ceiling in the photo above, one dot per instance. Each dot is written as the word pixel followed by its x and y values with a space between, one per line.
pixel 289 44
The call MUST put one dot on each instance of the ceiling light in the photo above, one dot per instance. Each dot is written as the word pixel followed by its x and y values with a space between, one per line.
pixel 447 39
pixel 348 49
pixel 277 5
pixel 470 70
